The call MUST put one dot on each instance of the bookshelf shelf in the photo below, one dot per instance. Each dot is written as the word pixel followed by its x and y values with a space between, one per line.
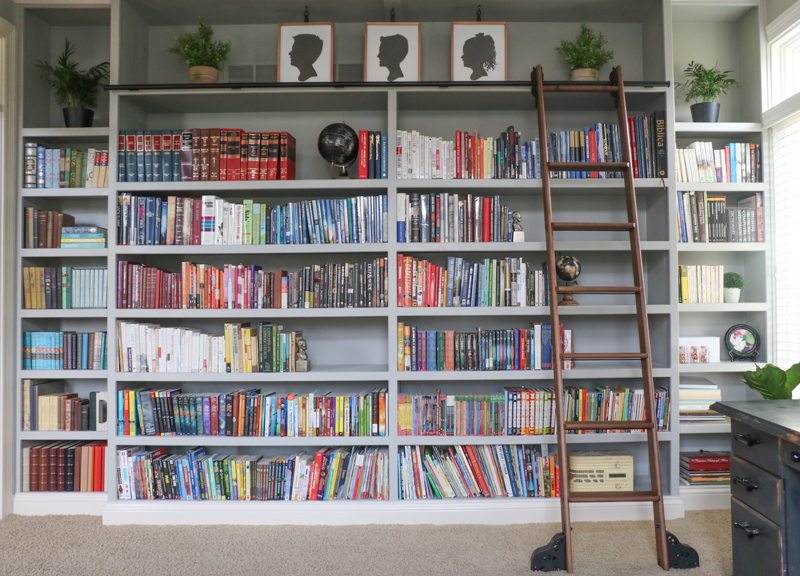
pixel 235 250
pixel 716 367
pixel 46 503
pixel 328 187
pixel 715 428
pixel 63 252
pixel 573 245
pixel 64 374
pixel 37 435
pixel 712 129
pixel 514 375
pixel 604 438
pixel 68 135
pixel 256 313
pixel 727 187
pixel 276 441
pixel 64 193
pixel 70 313
pixel 585 310
pixel 739 307
pixel 524 186
pixel 723 247
pixel 343 373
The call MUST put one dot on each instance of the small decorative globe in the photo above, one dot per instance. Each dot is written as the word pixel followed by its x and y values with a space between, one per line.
pixel 568 268
pixel 338 144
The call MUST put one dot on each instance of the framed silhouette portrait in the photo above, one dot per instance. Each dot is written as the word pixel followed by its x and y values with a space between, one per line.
pixel 305 52
pixel 391 52
pixel 479 51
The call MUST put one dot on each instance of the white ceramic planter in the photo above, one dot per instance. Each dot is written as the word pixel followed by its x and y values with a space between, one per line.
pixel 731 295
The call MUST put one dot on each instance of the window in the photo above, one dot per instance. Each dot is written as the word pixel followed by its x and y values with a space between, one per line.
pixel 783 36
pixel 786 211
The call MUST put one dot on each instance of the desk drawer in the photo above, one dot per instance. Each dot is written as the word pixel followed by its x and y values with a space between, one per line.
pixel 790 455
pixel 757 488
pixel 755 446
pixel 757 543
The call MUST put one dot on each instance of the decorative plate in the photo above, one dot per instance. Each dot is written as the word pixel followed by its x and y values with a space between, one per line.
pixel 742 342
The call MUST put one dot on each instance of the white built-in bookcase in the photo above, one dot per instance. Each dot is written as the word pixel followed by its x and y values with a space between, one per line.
pixel 353 350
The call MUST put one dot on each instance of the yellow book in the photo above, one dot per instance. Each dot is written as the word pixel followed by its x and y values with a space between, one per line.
pixel 684 284
pixel 400 347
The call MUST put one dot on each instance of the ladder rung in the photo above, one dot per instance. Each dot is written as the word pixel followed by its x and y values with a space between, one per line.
pixel 604 356
pixel 614 425
pixel 594 166
pixel 598 289
pixel 635 496
pixel 578 87
pixel 594 226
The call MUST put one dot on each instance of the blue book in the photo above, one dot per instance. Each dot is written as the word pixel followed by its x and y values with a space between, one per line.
pixel 384 156
pixel 139 156
pixel 682 218
pixel 148 156
pixel 84 361
pixel 165 154
pixel 41 167
pixel 547 347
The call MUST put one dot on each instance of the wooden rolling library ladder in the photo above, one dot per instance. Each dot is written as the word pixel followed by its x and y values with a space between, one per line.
pixel 557 554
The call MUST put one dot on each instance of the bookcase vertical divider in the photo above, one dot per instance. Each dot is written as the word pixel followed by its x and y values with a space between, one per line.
pixel 111 301
pixel 391 324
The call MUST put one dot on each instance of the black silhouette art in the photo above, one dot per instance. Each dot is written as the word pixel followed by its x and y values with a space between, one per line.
pixel 304 53
pixel 479 55
pixel 391 53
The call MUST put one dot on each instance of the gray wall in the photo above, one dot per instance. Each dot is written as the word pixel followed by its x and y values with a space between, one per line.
pixel 776 7
pixel 7 10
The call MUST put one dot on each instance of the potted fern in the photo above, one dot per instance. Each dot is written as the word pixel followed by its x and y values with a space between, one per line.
pixel 202 53
pixel 733 284
pixel 704 86
pixel 75 89
pixel 773 383
pixel 586 55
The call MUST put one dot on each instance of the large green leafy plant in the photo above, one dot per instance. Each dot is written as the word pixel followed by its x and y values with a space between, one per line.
pixel 772 382
pixel 705 84
pixel 199 48
pixel 75 88
pixel 588 51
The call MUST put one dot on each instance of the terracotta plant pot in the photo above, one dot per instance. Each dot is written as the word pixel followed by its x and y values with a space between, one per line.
pixel 731 295
pixel 203 74
pixel 584 74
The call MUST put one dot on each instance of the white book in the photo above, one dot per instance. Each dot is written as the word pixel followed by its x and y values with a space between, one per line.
pixel 537 346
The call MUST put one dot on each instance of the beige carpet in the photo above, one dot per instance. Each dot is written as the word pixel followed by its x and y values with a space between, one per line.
pixel 80 545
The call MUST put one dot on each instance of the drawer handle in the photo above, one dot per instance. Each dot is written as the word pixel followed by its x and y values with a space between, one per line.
pixel 795 457
pixel 746 483
pixel 746 439
pixel 751 532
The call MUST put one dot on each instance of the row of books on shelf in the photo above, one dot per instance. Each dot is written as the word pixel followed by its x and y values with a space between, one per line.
pixel 328 474
pixel 64 467
pixel 203 286
pixel 471 155
pixel 709 217
pixel 447 217
pixel 704 468
pixel 63 287
pixel 492 282
pixel 695 400
pixel 46 405
pixel 64 350
pixel 419 349
pixel 736 162
pixel 203 154
pixel 148 412
pixel 54 229
pixel 149 220
pixel 521 411
pixel 64 167
pixel 373 154
pixel 240 349
pixel 482 471
pixel 701 283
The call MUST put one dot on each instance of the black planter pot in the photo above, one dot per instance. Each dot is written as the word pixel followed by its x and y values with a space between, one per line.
pixel 78 117
pixel 705 112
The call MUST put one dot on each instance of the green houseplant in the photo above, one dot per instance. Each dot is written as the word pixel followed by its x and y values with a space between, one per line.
pixel 733 284
pixel 586 55
pixel 75 89
pixel 704 86
pixel 202 53
pixel 772 382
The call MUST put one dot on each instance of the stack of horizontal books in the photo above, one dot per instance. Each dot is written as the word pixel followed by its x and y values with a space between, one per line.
pixel 705 468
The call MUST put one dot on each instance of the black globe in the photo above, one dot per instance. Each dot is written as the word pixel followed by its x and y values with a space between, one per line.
pixel 568 268
pixel 338 144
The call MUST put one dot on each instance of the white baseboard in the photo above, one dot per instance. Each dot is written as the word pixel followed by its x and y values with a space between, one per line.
pixel 59 503
pixel 495 511
pixel 706 497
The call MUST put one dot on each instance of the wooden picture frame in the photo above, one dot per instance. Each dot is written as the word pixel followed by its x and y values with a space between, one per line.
pixel 305 52
pixel 392 52
pixel 479 51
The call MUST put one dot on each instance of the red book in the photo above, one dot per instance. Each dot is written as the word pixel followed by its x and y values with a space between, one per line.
pixel 476 470
pixel 263 155
pixel 234 161
pixel 313 479
pixel 458 153
pixel 214 153
pixel 593 151
pixel 705 461
pixel 487 219
pixel 363 154
pixel 197 208
pixel 223 154
pixel 195 154
pixel 205 154
pixel 287 156
pixel 632 142
pixel 253 144
pixel 401 278
pixel 274 144
pixel 99 467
